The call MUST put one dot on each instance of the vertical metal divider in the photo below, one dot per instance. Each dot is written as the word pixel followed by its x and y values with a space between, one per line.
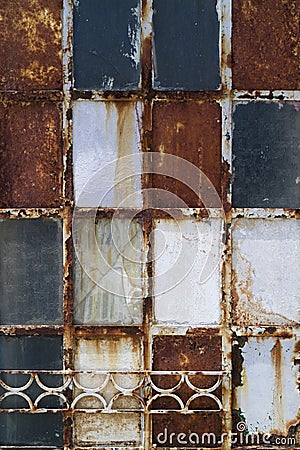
pixel 225 17
pixel 146 84
pixel 67 49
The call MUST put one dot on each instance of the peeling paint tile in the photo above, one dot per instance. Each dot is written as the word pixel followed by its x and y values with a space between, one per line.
pixel 187 257
pixel 108 429
pixel 193 62
pixel 266 44
pixel 192 131
pixel 115 354
pixel 108 272
pixel 31 44
pixel 266 159
pixel 30 155
pixel 31 271
pixel 107 141
pixel 268 398
pixel 107 44
pixel 266 264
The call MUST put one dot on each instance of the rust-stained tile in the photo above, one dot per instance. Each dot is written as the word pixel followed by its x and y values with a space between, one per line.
pixel 107 141
pixel 194 352
pixel 108 285
pixel 202 352
pixel 187 256
pixel 108 429
pixel 266 44
pixel 266 264
pixel 192 430
pixel 31 44
pixel 30 155
pixel 192 131
pixel 116 354
pixel 266 398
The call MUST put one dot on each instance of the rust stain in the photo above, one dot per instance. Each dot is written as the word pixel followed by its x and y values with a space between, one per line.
pixel 248 309
pixel 276 358
pixel 189 130
pixel 266 44
pixel 166 429
pixel 30 155
pixel 30 52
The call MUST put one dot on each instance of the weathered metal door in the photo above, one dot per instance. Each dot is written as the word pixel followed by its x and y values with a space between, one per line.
pixel 149 230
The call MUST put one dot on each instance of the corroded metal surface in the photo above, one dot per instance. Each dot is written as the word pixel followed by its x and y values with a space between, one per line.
pixel 31 155
pixel 31 50
pixel 191 131
pixel 183 369
pixel 266 44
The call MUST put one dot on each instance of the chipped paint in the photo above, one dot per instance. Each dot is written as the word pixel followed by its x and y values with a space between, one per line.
pixel 103 134
pixel 187 255
pixel 266 257
pixel 268 359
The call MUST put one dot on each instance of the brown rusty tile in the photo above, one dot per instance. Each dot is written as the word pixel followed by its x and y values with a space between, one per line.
pixel 186 353
pixel 266 44
pixel 192 430
pixel 30 155
pixel 189 130
pixel 30 51
pixel 195 352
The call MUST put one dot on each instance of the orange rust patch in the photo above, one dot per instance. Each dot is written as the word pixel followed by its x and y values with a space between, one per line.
pixel 30 155
pixel 266 44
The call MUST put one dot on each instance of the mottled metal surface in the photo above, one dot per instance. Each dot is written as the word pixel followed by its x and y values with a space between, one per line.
pixel 30 155
pixel 266 44
pixel 104 133
pixel 31 44
pixel 107 44
pixel 266 162
pixel 26 248
pixel 268 379
pixel 188 353
pixel 108 286
pixel 266 264
pixel 185 45
pixel 190 130
pixel 31 429
pixel 187 255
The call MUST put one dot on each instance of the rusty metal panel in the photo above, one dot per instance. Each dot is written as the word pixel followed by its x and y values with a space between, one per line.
pixel 104 133
pixel 31 44
pixel 190 352
pixel 190 130
pixel 31 247
pixel 107 44
pixel 30 155
pixel 266 398
pixel 187 255
pixel 266 44
pixel 266 161
pixel 108 287
pixel 266 264
pixel 185 44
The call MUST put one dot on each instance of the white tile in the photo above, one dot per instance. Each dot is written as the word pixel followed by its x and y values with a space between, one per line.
pixel 266 264
pixel 106 145
pixel 187 271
